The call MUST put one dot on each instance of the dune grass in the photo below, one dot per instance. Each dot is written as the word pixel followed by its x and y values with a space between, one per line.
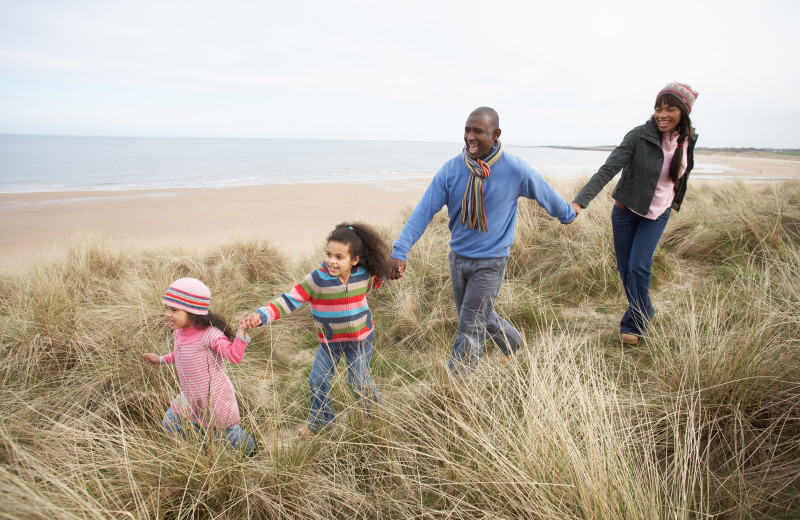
pixel 701 420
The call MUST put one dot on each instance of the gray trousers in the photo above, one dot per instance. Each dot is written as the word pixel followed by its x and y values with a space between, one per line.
pixel 476 283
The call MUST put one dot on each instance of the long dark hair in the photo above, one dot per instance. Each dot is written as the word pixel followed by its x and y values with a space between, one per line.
pixel 212 320
pixel 365 243
pixel 684 130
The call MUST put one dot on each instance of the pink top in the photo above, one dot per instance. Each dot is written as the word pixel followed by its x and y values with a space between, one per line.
pixel 665 189
pixel 207 396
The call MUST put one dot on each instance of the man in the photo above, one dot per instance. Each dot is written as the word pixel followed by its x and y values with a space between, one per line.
pixel 480 188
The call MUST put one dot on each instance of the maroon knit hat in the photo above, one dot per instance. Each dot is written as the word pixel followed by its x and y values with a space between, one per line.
pixel 188 294
pixel 683 92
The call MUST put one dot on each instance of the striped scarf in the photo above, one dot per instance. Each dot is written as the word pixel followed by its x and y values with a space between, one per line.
pixel 472 213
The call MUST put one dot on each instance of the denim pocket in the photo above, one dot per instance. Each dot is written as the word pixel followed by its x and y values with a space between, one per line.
pixel 499 264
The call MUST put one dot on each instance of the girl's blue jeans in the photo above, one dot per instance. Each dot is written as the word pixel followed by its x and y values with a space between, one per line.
pixel 236 436
pixel 635 241
pixel 357 354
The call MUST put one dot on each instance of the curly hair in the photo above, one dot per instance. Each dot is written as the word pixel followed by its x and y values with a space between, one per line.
pixel 212 320
pixel 365 243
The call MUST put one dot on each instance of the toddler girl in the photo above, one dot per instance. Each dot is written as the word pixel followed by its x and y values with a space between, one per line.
pixel 207 399
pixel 355 258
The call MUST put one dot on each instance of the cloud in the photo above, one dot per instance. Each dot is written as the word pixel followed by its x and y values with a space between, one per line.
pixel 559 73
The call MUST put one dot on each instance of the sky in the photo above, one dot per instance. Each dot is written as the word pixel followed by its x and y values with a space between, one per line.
pixel 578 73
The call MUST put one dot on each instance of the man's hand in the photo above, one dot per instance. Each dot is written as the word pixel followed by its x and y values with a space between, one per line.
pixel 577 207
pixel 396 268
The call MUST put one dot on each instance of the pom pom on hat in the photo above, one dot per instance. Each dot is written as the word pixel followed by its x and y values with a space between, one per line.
pixel 188 294
pixel 683 92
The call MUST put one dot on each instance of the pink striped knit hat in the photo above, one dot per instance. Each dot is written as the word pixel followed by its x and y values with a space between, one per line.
pixel 683 92
pixel 188 294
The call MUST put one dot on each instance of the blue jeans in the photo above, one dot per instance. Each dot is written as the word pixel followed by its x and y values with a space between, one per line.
pixel 476 283
pixel 635 241
pixel 236 436
pixel 357 354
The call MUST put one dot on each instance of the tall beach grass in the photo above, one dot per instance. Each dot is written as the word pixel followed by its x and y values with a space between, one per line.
pixel 701 420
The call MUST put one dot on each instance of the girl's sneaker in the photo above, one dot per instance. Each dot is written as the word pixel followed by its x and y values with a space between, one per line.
pixel 305 432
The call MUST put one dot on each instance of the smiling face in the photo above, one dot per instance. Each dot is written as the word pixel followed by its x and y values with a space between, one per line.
pixel 177 318
pixel 480 133
pixel 338 260
pixel 667 117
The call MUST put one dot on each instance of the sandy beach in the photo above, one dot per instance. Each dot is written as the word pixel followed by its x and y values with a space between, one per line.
pixel 295 217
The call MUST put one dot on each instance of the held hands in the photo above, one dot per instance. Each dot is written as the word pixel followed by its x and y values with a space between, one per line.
pixel 577 207
pixel 395 268
pixel 254 320
pixel 153 359
pixel 248 322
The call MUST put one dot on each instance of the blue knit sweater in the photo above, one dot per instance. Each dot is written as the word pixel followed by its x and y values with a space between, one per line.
pixel 510 179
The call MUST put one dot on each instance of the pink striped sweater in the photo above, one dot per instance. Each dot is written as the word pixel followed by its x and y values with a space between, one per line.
pixel 207 396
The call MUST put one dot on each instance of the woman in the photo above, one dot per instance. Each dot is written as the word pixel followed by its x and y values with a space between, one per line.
pixel 655 160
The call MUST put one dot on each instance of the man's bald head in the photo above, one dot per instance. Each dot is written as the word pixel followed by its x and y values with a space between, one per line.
pixel 490 114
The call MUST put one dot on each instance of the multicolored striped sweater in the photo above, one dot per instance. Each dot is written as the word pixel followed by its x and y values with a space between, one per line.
pixel 340 311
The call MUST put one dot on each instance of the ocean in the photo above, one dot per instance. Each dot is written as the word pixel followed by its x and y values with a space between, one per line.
pixel 65 163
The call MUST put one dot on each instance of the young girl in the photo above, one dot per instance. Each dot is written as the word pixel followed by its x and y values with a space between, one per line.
pixel 655 160
pixel 207 399
pixel 355 258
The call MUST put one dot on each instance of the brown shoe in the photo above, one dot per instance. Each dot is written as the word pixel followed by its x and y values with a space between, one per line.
pixel 305 432
pixel 629 339
pixel 504 360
